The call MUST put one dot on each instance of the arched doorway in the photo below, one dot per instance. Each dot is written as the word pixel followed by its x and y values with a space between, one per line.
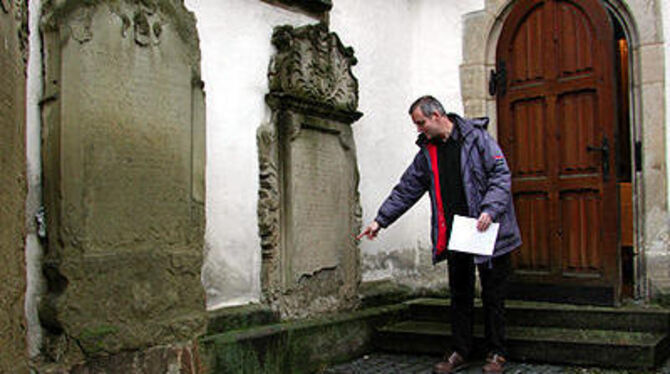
pixel 641 24
pixel 557 126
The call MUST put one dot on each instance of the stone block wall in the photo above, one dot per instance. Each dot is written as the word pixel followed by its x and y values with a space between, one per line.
pixel 13 187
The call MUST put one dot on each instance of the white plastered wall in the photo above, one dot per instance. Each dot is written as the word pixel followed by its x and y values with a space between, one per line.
pixel 405 48
pixel 236 50
pixel 665 11
pixel 35 283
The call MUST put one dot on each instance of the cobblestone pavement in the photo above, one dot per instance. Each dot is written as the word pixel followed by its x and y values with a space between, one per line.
pixel 383 363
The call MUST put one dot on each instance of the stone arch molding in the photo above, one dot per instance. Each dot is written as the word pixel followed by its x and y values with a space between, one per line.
pixel 642 23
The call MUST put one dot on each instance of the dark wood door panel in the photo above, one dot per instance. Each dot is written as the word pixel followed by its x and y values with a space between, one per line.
pixel 535 253
pixel 581 236
pixel 554 119
pixel 528 48
pixel 575 39
pixel 528 138
pixel 578 129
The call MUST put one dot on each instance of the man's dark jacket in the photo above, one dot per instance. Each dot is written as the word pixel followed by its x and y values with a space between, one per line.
pixel 486 179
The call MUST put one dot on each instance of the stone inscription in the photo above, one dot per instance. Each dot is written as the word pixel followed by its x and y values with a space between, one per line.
pixel 143 178
pixel 126 232
pixel 320 206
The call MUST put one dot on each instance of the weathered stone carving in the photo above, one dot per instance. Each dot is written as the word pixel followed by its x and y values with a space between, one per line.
pixel 123 157
pixel 13 187
pixel 308 199
pixel 268 198
pixel 145 17
pixel 311 64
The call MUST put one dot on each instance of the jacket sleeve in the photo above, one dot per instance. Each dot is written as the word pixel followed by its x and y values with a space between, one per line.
pixel 499 178
pixel 413 184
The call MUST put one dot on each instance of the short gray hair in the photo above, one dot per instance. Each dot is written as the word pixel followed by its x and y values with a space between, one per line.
pixel 428 105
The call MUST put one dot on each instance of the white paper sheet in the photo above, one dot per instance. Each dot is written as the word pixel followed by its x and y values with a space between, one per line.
pixel 466 238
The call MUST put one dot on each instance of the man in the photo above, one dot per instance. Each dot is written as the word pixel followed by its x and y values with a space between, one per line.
pixel 465 173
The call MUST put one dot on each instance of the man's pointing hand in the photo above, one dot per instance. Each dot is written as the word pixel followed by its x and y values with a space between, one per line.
pixel 370 231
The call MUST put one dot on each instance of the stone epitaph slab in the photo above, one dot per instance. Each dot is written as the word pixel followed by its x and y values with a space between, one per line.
pixel 309 206
pixel 123 154
pixel 318 180
pixel 12 186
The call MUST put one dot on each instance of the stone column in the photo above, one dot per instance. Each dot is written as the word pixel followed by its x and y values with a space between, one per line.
pixel 13 187
pixel 123 155
pixel 309 207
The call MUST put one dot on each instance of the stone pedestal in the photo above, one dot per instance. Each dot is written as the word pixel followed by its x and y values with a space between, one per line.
pixel 13 33
pixel 309 208
pixel 123 154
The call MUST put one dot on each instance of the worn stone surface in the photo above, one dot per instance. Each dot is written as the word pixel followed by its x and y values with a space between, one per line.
pixel 475 37
pixel 656 228
pixel 177 358
pixel 13 353
pixel 123 157
pixel 309 206
pixel 646 15
pixel 474 82
pixel 652 62
pixel 301 346
pixel 409 268
pixel 240 317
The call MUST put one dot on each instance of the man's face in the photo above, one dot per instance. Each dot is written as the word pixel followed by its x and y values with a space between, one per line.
pixel 430 126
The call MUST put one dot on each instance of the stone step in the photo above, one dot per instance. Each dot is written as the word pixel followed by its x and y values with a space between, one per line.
pixel 522 313
pixel 597 347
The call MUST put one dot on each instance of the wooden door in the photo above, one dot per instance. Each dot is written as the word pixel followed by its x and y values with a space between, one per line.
pixel 556 120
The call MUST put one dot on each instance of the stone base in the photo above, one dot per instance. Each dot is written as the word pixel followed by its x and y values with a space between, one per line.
pixel 177 358
pixel 304 346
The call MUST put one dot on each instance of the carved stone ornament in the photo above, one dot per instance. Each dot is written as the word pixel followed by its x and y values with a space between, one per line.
pixel 312 64
pixel 142 20
pixel 268 194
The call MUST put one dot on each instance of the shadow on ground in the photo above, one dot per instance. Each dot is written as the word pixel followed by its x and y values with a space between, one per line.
pixel 416 364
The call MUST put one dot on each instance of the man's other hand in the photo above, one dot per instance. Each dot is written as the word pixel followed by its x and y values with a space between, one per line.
pixel 370 231
pixel 484 221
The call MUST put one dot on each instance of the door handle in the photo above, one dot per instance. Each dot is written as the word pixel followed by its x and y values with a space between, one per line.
pixel 604 149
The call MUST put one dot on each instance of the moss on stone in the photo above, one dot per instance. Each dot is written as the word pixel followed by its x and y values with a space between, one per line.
pixel 93 339
pixel 302 346
pixel 240 317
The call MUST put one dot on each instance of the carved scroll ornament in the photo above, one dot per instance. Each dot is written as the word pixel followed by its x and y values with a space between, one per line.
pixel 313 65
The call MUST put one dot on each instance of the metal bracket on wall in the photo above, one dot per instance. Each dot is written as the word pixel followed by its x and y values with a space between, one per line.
pixel 638 155
pixel 498 80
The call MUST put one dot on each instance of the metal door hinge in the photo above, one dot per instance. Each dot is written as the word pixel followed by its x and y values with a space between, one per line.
pixel 498 80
